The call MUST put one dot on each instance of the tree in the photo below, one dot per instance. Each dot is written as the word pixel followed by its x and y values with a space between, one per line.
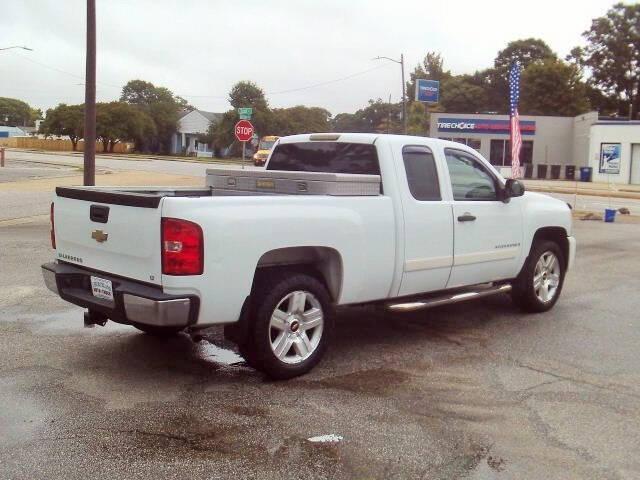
pixel 553 87
pixel 417 119
pixel 65 120
pixel 247 94
pixel 242 94
pixel 460 95
pixel 161 105
pixel 17 113
pixel 300 119
pixel 612 55
pixel 527 51
pixel 378 116
pixel 120 121
pixel 432 68
pixel 346 122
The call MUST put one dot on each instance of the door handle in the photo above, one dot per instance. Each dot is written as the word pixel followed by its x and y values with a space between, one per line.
pixel 467 217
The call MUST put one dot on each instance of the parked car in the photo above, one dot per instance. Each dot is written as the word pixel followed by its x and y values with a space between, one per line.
pixel 335 219
pixel 264 149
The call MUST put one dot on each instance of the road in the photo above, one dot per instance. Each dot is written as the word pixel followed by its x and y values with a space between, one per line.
pixel 158 166
pixel 474 391
pixel 581 202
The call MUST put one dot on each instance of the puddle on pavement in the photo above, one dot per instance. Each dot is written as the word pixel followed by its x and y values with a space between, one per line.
pixel 330 438
pixel 210 351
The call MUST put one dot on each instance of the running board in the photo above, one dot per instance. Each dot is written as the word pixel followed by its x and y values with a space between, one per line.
pixel 448 299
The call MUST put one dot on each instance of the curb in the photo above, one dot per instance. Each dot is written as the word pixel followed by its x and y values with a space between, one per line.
pixel 585 192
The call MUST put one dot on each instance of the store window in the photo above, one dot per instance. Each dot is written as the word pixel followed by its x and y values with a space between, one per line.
pixel 500 152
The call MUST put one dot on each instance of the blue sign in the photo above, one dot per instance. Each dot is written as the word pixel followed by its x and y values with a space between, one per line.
pixel 610 158
pixel 427 90
pixel 484 126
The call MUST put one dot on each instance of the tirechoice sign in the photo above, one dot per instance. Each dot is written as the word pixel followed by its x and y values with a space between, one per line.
pixel 243 130
pixel 483 126
pixel 427 90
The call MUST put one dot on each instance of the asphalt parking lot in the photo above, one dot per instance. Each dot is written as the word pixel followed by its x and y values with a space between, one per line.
pixel 475 390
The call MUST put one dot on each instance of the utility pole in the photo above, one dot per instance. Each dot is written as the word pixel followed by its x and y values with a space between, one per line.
pixel 90 98
pixel 404 96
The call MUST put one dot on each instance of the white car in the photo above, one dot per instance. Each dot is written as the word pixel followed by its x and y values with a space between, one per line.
pixel 335 219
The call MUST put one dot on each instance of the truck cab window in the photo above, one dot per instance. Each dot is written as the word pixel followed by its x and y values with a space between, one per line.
pixel 327 157
pixel 422 176
pixel 470 179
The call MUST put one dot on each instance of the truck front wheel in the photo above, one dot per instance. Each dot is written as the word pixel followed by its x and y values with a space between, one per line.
pixel 540 282
pixel 291 322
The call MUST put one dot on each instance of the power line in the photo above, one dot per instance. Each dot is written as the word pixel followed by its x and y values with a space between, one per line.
pixel 55 69
pixel 298 89
pixel 221 97
pixel 328 82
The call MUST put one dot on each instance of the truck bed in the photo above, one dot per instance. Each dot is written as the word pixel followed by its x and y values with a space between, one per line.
pixel 223 182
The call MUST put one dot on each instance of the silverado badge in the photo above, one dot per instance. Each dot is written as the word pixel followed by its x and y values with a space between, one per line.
pixel 99 236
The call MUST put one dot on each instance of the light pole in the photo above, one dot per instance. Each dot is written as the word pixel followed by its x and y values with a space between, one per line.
pixel 404 96
pixel 18 46
pixel 90 98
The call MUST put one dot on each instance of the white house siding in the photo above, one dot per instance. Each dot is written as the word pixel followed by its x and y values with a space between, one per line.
pixel 193 122
pixel 190 127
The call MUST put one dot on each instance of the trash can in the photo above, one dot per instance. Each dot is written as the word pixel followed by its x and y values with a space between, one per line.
pixel 542 171
pixel 570 172
pixel 528 170
pixel 585 174
pixel 609 215
pixel 555 172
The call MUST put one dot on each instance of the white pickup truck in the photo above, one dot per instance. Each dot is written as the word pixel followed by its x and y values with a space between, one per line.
pixel 334 219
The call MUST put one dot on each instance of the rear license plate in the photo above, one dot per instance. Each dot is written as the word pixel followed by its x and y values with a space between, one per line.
pixel 102 288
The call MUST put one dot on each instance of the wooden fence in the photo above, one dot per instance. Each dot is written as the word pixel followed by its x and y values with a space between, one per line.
pixel 57 145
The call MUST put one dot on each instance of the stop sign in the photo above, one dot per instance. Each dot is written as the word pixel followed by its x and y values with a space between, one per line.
pixel 244 130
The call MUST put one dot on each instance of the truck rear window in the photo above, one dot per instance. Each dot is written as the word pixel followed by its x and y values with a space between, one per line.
pixel 326 157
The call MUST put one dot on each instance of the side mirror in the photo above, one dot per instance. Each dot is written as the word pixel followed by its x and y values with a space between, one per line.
pixel 513 188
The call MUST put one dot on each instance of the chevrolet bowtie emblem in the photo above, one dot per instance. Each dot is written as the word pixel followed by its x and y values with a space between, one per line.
pixel 99 236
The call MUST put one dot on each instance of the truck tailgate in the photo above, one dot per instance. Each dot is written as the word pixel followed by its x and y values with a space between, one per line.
pixel 110 236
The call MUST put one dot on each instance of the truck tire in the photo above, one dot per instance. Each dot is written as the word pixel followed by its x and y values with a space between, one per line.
pixel 291 323
pixel 158 331
pixel 540 282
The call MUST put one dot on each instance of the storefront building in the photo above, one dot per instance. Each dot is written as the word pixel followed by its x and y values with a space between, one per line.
pixel 552 147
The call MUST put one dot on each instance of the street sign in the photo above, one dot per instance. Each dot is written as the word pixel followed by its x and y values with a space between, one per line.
pixel 245 113
pixel 243 130
pixel 427 90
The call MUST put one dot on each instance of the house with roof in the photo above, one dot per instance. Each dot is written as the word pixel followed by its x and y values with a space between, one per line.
pixel 7 131
pixel 191 126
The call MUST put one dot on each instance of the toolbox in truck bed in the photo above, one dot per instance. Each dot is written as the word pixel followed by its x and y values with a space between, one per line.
pixel 225 181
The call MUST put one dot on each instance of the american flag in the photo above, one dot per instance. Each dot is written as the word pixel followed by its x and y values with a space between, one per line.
pixel 516 137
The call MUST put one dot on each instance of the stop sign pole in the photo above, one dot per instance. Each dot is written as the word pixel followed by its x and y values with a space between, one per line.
pixel 243 132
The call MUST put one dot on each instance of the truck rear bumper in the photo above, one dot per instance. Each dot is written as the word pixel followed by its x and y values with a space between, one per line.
pixel 133 302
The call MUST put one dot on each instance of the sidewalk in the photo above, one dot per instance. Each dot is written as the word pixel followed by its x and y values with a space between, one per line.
pixel 595 189
pixel 141 156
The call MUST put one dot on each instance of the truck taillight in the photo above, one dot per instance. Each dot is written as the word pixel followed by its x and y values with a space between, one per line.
pixel 53 228
pixel 182 247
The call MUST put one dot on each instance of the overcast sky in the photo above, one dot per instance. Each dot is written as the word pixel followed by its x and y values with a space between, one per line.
pixel 200 48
